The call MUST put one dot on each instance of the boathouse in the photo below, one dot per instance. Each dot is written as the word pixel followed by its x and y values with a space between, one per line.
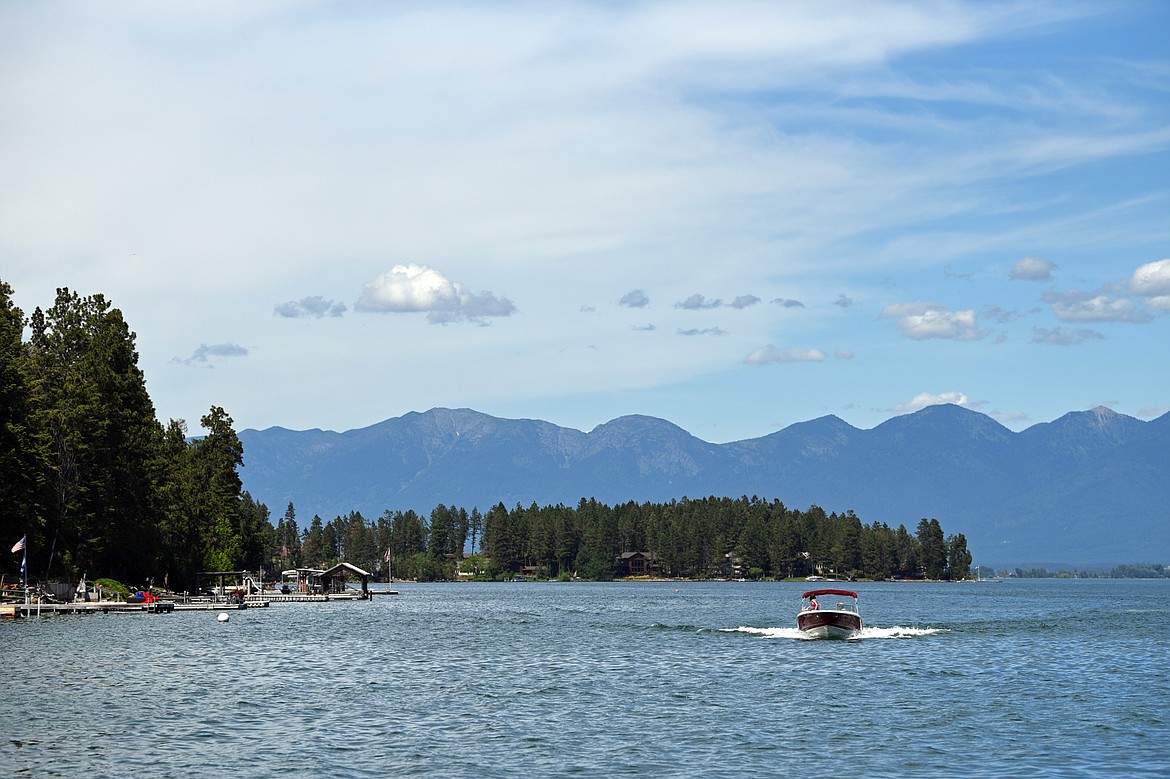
pixel 335 580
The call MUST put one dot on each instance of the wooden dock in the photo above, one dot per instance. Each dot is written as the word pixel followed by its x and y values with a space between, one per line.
pixel 119 607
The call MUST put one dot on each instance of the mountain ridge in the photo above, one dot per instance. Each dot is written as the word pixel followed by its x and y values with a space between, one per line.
pixel 1091 487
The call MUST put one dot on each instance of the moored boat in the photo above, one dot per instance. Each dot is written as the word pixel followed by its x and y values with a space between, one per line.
pixel 842 621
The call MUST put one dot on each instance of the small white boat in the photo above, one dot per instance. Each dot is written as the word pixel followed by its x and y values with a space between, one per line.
pixel 843 621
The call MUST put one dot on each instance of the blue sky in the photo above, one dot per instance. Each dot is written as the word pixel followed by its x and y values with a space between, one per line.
pixel 734 216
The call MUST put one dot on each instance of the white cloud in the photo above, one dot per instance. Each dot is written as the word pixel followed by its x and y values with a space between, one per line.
pixel 1074 307
pixel 413 288
pixel 922 320
pixel 766 355
pixel 925 399
pixel 1152 282
pixel 1032 269
pixel 844 354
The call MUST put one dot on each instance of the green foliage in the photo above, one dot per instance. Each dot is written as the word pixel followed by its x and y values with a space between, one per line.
pixel 111 587
pixel 88 473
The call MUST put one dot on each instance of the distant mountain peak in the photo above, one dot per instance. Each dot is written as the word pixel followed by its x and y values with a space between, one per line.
pixel 1104 414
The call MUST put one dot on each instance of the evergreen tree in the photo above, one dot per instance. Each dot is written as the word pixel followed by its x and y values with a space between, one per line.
pixel 313 549
pixel 958 558
pixel 100 424
pixel 933 548
pixel 216 459
pixel 24 470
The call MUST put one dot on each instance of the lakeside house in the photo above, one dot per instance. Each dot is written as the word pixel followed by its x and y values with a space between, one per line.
pixel 636 564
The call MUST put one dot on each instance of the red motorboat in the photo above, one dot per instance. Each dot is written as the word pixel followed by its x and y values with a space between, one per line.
pixel 842 620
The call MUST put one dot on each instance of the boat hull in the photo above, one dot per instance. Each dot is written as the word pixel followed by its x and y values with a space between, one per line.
pixel 829 623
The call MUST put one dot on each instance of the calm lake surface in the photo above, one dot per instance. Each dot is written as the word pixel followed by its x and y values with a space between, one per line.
pixel 1030 678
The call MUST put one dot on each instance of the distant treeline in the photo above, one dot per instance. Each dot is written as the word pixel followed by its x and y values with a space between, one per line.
pixel 1156 571
pixel 708 537
pixel 99 487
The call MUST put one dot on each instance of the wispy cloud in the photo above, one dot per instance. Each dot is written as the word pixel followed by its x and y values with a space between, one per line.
pixel 1063 336
pixel 206 353
pixel 1149 412
pixel 787 303
pixel 844 301
pixel 770 354
pixel 703 331
pixel 310 307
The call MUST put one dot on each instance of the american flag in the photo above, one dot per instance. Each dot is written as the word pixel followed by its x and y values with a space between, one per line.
pixel 18 545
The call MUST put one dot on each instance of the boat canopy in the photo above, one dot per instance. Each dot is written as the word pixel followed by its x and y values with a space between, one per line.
pixel 847 593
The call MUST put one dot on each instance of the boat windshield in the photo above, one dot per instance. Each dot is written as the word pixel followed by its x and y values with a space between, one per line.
pixel 834 600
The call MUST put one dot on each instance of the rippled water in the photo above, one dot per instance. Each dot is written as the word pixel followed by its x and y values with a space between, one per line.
pixel 1036 678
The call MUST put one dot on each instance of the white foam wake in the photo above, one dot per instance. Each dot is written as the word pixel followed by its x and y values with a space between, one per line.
pixel 900 632
pixel 867 632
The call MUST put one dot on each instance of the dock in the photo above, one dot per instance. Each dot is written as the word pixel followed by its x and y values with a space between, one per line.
pixel 259 601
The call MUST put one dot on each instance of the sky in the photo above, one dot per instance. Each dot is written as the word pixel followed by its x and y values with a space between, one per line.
pixel 734 216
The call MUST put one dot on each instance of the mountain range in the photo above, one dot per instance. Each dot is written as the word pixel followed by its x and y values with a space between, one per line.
pixel 1091 488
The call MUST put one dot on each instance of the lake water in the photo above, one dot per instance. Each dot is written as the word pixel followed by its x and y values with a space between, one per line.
pixel 1028 678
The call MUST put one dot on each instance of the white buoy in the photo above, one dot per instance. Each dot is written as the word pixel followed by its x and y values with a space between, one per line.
pixel 222 617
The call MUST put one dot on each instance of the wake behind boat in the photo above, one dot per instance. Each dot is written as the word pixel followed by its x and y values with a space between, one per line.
pixel 815 621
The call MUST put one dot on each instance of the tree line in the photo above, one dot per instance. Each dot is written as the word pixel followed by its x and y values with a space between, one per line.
pixel 98 486
pixel 685 538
